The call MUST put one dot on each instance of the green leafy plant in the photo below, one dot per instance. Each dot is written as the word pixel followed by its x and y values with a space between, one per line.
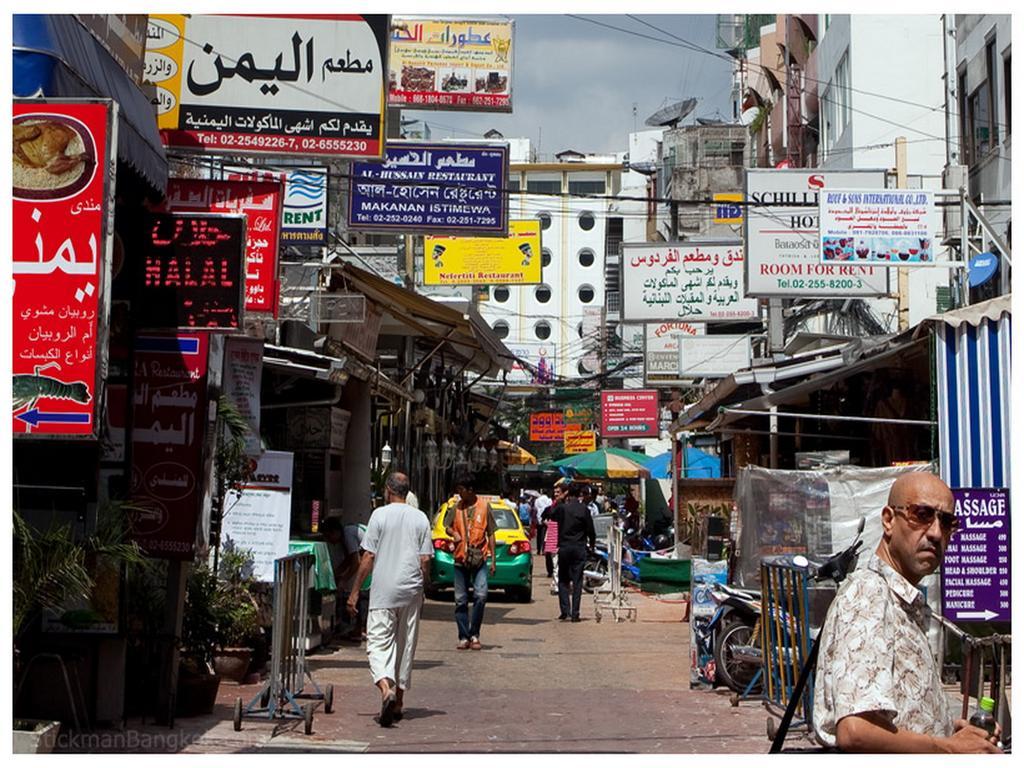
pixel 759 119
pixel 52 567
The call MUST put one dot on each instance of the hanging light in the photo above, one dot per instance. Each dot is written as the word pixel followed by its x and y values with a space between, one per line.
pixel 460 459
pixel 385 455
pixel 492 458
pixel 478 456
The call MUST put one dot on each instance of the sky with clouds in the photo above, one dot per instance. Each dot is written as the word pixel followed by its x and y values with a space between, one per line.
pixel 575 83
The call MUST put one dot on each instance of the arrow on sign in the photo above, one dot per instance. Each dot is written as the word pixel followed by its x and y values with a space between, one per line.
pixel 980 615
pixel 36 417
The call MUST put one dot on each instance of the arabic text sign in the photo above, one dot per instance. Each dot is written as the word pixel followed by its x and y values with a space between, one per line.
pixel 661 348
pixel 304 217
pixel 243 374
pixel 580 441
pixel 547 427
pixel 877 226
pixel 168 436
pixel 629 413
pixel 192 274
pixel 976 568
pixel 260 520
pixel 512 260
pixel 61 220
pixel 280 85
pixel 684 281
pixel 451 64
pixel 260 203
pixel 783 258
pixel 433 188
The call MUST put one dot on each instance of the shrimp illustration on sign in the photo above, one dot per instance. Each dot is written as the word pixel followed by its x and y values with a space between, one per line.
pixel 28 388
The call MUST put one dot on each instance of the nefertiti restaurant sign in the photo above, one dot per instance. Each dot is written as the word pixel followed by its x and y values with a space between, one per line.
pixel 62 222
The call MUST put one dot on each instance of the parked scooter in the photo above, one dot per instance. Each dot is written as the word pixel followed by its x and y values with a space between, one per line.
pixel 737 659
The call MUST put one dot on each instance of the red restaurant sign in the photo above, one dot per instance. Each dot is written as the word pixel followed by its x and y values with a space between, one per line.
pixel 629 413
pixel 62 223
pixel 547 427
pixel 260 202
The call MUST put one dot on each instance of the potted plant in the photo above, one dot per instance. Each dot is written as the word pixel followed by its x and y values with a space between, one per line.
pixel 53 570
pixel 197 681
pixel 236 613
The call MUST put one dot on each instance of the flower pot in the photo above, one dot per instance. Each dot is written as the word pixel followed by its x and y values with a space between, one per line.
pixel 196 694
pixel 232 663
pixel 35 736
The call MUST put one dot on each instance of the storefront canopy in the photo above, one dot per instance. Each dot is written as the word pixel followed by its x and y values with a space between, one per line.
pixel 972 380
pixel 56 57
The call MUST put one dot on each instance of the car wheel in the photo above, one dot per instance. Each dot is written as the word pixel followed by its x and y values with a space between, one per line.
pixel 432 592
pixel 524 594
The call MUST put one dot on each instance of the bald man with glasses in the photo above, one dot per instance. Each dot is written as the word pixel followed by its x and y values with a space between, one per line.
pixel 878 687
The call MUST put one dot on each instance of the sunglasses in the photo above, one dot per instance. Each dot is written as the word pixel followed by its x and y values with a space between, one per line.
pixel 923 515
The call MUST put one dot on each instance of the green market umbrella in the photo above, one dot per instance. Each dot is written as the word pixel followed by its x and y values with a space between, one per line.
pixel 605 462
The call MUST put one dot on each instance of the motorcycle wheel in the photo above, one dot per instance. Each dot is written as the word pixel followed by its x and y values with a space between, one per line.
pixel 599 566
pixel 732 672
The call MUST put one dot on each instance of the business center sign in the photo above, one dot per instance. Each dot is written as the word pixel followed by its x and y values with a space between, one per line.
pixel 280 85
pixel 782 236
pixel 691 281
pixel 435 188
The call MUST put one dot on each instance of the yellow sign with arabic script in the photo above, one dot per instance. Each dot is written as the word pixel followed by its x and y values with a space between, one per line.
pixel 583 441
pixel 512 260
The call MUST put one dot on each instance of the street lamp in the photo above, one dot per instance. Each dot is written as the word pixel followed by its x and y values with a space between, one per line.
pixel 430 452
pixel 385 455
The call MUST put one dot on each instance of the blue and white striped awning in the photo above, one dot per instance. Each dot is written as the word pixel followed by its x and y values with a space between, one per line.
pixel 972 367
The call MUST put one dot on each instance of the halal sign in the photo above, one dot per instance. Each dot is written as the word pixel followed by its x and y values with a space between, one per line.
pixel 192 272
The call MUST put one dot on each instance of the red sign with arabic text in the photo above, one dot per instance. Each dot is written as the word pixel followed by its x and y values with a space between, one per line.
pixel 61 217
pixel 629 413
pixel 168 435
pixel 547 427
pixel 261 203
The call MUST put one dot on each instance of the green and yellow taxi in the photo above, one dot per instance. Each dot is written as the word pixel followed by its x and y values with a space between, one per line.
pixel 514 566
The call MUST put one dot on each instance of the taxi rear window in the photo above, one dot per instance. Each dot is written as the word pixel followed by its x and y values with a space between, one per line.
pixel 504 518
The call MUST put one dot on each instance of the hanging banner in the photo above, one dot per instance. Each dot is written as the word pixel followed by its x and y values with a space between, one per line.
pixel 192 275
pixel 260 203
pixel 243 374
pixel 783 256
pixel 629 413
pixel 593 328
pixel 547 427
pixel 976 568
pixel 279 85
pixel 437 188
pixel 62 218
pixel 451 64
pixel 542 359
pixel 168 438
pixel 580 441
pixel 512 260
pixel 259 520
pixel 878 226
pixel 684 281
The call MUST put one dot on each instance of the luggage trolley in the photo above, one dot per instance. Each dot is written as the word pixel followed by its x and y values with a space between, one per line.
pixel 288 671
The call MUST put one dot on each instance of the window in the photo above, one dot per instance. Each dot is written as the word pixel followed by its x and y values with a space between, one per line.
pixel 501 329
pixel 545 219
pixel 586 257
pixel 990 68
pixel 582 369
pixel 552 187
pixel 843 94
pixel 979 121
pixel 579 329
pixel 513 185
pixel 965 137
pixel 586 187
pixel 586 293
pixel 501 295
pixel 542 293
pixel 542 330
pixel 1007 112
pixel 586 221
pixel 545 257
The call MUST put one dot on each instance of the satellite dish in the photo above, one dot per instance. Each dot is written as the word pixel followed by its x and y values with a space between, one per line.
pixel 747 115
pixel 671 114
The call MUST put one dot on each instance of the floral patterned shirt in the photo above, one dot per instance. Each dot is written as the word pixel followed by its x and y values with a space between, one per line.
pixel 875 656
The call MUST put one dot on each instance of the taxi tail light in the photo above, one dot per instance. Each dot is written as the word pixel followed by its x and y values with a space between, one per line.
pixel 444 544
pixel 519 547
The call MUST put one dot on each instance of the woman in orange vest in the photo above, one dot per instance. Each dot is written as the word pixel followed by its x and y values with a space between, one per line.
pixel 471 525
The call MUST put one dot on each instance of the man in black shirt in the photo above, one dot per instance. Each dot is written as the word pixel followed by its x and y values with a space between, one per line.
pixel 575 534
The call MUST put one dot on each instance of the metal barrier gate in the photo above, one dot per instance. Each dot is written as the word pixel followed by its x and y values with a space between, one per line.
pixel 785 638
pixel 616 600
pixel 288 672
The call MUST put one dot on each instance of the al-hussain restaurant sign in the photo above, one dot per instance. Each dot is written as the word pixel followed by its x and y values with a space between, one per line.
pixel 279 85
pixel 62 222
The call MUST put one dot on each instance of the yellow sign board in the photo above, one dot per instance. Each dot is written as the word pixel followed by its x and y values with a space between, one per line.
pixel 726 212
pixel 580 441
pixel 512 260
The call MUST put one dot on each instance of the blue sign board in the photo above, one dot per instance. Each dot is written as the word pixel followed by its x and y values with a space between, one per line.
pixel 976 568
pixel 432 189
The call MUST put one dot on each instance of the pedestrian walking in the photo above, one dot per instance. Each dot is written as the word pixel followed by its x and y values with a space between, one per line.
pixel 471 525
pixel 397 552
pixel 575 535
pixel 551 535
pixel 878 687
pixel 540 506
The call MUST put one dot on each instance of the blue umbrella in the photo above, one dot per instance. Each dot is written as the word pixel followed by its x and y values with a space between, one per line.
pixel 698 464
